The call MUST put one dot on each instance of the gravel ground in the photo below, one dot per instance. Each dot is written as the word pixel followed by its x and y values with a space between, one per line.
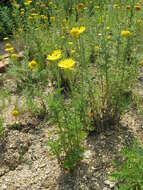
pixel 25 162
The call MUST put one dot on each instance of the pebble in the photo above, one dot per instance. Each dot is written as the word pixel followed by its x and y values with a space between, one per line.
pixel 110 183
pixel 4 186
pixel 87 154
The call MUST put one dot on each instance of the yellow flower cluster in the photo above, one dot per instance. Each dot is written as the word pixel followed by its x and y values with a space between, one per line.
pixel 8 48
pixel 64 64
pixel 22 11
pixel 33 16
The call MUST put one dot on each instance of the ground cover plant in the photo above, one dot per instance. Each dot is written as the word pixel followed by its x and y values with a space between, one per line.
pixel 129 174
pixel 74 64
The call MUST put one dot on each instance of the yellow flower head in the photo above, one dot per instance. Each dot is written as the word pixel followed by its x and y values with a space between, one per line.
pixel 20 30
pixel 22 9
pixel 6 38
pixel 66 64
pixel 33 65
pixel 52 18
pixel 109 37
pixel 55 55
pixel 82 29
pixel 9 49
pixel 27 2
pixel 128 7
pixel 142 62
pixel 7 45
pixel 125 33
pixel 137 7
pixel 34 16
pixel 14 56
pixel 80 6
pixel 43 5
pixel 139 21
pixel 22 12
pixel 75 32
pixel 44 17
pixel 15 112
pixel 38 3
pixel 17 5
pixel 116 6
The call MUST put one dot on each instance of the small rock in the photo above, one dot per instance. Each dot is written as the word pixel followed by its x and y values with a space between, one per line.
pixel 110 183
pixel 4 186
pixel 105 188
pixel 87 154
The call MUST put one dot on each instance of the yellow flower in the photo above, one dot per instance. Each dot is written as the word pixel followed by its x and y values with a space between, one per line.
pixel 52 18
pixel 9 49
pixel 70 43
pixel 38 3
pixel 107 28
pixel 81 29
pixel 15 112
pixel 33 65
pixel 44 17
pixel 6 38
pixel 137 7
pixel 116 6
pixel 20 30
pixel 50 3
pixel 43 5
pixel 7 45
pixel 17 5
pixel 30 17
pixel 142 62
pixel 62 37
pixel 75 32
pixel 128 7
pixel 22 9
pixel 55 55
pixel 80 6
pixel 73 51
pixel 125 33
pixel 22 12
pixel 139 21
pixel 14 56
pixel 27 2
pixel 97 48
pixel 34 15
pixel 66 64
pixel 109 37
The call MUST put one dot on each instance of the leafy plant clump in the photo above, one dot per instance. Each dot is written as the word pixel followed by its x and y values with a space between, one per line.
pixel 129 174
pixel 67 144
